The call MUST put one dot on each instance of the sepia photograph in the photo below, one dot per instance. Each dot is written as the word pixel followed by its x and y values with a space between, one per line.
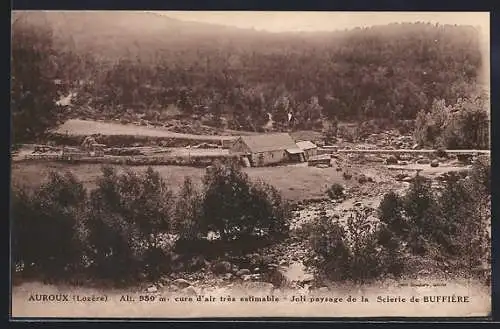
pixel 229 164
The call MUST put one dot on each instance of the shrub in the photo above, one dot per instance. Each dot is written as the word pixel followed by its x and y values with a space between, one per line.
pixel 346 175
pixel 234 207
pixel 188 211
pixel 390 212
pixel 441 152
pixel 481 174
pixel 453 223
pixel 362 179
pixel 391 160
pixel 130 213
pixel 335 191
pixel 352 252
pixel 465 220
pixel 370 259
pixel 422 212
pixel 328 242
pixel 48 232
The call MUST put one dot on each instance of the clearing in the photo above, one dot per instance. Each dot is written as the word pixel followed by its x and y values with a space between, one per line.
pixel 295 182
pixel 77 127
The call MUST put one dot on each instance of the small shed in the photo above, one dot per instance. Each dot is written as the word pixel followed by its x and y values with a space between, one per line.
pixel 324 159
pixel 267 149
pixel 310 149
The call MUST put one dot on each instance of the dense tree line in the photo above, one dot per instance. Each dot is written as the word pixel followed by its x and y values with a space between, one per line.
pixel 387 72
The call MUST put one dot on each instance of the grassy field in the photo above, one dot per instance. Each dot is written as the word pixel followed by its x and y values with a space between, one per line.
pixel 77 127
pixel 295 182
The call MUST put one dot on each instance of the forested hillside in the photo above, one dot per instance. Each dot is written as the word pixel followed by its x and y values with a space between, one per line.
pixel 130 65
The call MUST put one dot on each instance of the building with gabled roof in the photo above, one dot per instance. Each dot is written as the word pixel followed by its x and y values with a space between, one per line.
pixel 266 149
pixel 310 149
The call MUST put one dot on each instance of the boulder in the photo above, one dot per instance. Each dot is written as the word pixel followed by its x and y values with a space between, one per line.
pixel 423 161
pixel 323 290
pixel 391 160
pixel 243 271
pixel 152 289
pixel 222 267
pixel 434 163
pixel 182 283
pixel 190 291
pixel 407 179
pixel 261 287
pixel 246 277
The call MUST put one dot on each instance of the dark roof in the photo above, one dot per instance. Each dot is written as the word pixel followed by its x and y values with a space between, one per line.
pixel 269 142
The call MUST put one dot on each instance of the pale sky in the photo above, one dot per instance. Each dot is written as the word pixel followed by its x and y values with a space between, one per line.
pixel 324 21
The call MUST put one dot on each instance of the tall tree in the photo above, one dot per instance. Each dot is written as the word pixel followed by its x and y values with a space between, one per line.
pixel 33 89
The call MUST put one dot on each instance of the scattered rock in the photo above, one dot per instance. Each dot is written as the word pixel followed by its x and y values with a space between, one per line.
pixel 246 277
pixel 262 287
pixel 190 291
pixel 182 283
pixel 423 161
pixel 152 289
pixel 243 271
pixel 401 177
pixel 362 179
pixel 323 290
pixel 391 160
pixel 347 175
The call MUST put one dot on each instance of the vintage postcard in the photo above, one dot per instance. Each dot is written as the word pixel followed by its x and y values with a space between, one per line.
pixel 250 164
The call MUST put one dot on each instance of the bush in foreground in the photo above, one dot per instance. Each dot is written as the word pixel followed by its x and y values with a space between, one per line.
pixel 235 208
pixel 128 227
pixel 48 234
pixel 129 214
pixel 452 223
pixel 352 251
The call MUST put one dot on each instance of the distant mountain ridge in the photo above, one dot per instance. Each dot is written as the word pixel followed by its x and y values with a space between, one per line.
pixel 115 34
pixel 145 63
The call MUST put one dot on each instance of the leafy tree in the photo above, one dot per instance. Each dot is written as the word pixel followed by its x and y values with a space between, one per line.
pixel 33 91
pixel 235 207
pixel 130 213
pixel 188 212
pixel 48 226
pixel 390 212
